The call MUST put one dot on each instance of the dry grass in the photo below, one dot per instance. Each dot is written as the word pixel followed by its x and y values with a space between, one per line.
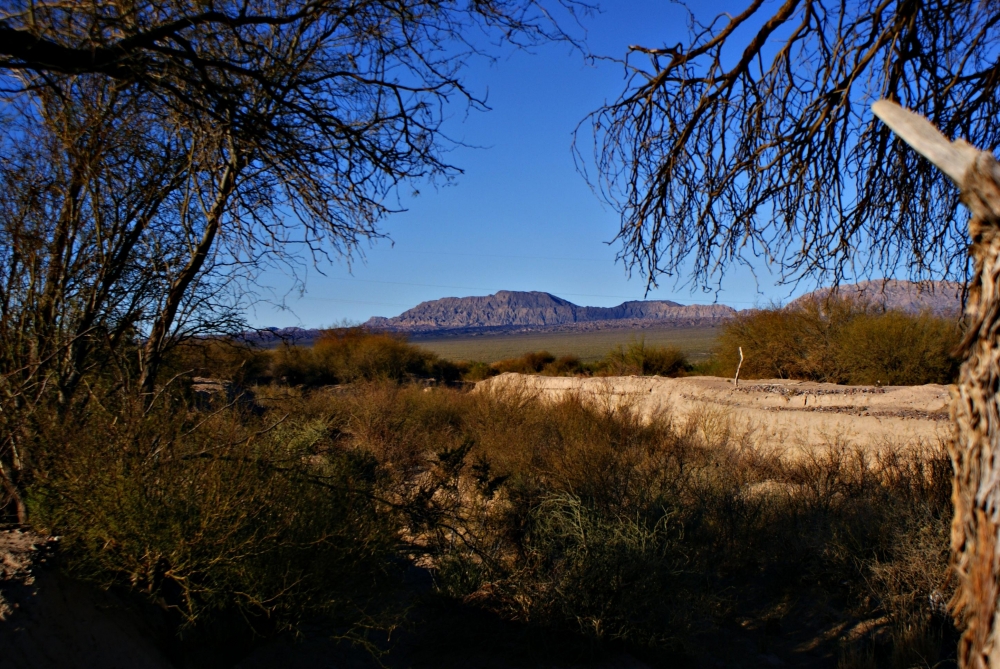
pixel 660 535
pixel 592 346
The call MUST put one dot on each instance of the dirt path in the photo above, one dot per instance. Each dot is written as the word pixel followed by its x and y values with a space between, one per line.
pixel 796 416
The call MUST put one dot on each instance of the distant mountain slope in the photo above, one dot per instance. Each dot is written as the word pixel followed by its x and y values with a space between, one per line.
pixel 515 309
pixel 938 297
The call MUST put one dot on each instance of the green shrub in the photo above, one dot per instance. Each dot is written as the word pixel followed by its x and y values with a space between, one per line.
pixel 638 359
pixel 839 340
pixel 353 354
pixel 897 349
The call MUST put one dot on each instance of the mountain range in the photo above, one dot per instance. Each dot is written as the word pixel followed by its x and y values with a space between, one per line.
pixel 510 309
pixel 942 298
pixel 533 311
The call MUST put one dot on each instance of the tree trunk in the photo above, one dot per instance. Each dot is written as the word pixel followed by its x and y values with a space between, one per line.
pixel 152 351
pixel 975 450
pixel 975 407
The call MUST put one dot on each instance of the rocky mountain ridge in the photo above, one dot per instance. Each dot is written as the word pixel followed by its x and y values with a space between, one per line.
pixel 534 309
pixel 941 298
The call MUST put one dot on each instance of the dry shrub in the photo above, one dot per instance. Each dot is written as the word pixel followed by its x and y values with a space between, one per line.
pixel 220 516
pixel 536 362
pixel 351 354
pixel 643 531
pixel 635 358
pixel 638 359
pixel 219 359
pixel 572 515
pixel 529 363
pixel 567 365
pixel 839 340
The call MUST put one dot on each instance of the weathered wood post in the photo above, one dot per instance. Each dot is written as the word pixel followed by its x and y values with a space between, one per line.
pixel 736 381
pixel 975 448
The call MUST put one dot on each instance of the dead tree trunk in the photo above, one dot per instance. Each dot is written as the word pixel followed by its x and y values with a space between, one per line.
pixel 975 407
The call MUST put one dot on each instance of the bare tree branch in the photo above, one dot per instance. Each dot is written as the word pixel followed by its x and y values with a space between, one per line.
pixel 754 140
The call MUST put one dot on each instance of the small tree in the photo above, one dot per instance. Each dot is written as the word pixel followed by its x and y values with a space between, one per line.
pixel 295 119
pixel 153 153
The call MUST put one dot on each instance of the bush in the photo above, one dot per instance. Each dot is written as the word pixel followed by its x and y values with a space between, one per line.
pixel 221 516
pixel 839 340
pixel 638 359
pixel 535 362
pixel 635 358
pixel 650 533
pixel 219 359
pixel 352 354
pixel 671 537
pixel 529 363
pixel 897 349
pixel 567 365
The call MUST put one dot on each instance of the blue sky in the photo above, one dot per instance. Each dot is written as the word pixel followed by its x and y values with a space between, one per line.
pixel 521 217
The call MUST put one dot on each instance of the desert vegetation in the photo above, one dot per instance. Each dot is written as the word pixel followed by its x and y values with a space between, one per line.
pixel 349 354
pixel 157 158
pixel 840 340
pixel 345 355
pixel 833 340
pixel 634 358
pixel 666 539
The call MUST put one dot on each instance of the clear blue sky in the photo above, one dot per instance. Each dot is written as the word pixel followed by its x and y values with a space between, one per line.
pixel 521 217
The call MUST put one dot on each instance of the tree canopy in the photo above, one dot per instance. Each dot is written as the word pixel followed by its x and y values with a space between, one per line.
pixel 155 155
pixel 270 126
pixel 755 139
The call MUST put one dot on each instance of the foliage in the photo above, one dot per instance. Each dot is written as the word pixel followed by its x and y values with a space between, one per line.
pixel 351 354
pixel 636 358
pixel 539 362
pixel 840 340
pixel 529 363
pixel 654 533
pixel 220 514
pixel 218 358
pixel 898 349
pixel 161 154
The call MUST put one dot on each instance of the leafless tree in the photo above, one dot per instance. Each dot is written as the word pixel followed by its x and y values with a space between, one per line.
pixel 756 138
pixel 297 117
pixel 151 150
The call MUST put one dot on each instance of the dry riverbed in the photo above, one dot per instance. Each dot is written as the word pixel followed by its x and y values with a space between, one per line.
pixel 795 416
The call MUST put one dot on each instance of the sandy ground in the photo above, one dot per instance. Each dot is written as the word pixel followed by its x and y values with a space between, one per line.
pixel 795 416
